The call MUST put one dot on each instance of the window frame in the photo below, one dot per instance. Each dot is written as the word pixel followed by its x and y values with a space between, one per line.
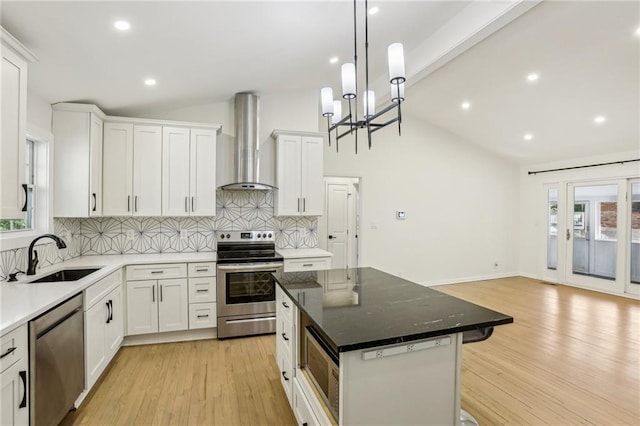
pixel 43 195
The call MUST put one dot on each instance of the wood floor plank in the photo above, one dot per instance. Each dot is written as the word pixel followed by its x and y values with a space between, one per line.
pixel 572 356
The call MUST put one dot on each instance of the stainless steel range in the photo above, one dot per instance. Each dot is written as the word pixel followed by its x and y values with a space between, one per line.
pixel 246 288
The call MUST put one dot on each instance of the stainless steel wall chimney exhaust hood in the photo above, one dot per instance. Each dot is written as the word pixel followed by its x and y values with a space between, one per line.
pixel 247 143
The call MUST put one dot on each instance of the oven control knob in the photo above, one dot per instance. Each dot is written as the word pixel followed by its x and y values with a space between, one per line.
pixel 228 236
pixel 222 236
pixel 269 235
pixel 264 235
pixel 258 235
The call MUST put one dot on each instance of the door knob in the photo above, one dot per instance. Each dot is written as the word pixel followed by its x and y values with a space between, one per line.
pixel 568 235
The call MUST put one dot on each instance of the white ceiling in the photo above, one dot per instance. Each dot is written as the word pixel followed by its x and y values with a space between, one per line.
pixel 204 52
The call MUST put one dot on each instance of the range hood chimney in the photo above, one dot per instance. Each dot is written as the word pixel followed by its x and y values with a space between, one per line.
pixel 246 148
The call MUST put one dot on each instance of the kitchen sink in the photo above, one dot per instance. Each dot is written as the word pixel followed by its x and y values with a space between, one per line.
pixel 66 275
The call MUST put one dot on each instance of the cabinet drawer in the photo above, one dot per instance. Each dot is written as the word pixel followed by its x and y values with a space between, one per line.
pixel 202 315
pixel 285 334
pixel 98 290
pixel 13 347
pixel 308 264
pixel 202 290
pixel 301 407
pixel 203 269
pixel 284 305
pixel 156 272
pixel 285 369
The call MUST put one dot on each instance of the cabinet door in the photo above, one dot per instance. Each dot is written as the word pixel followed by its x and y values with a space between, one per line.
pixel 203 172
pixel 13 134
pixel 115 328
pixel 117 169
pixel 288 199
pixel 96 321
pixel 175 171
pixel 147 170
pixel 173 308
pixel 142 307
pixel 13 395
pixel 95 167
pixel 312 186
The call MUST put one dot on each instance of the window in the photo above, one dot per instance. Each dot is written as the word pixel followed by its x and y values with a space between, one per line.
pixel 26 222
pixel 607 224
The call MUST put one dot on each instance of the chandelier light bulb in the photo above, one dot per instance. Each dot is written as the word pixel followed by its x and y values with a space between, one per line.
pixel 369 101
pixel 348 80
pixel 395 54
pixel 326 98
pixel 337 112
pixel 397 92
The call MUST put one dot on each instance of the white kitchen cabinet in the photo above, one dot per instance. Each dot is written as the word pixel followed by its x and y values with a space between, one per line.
pixel 299 174
pixel 14 364
pixel 286 341
pixel 202 295
pixel 132 170
pixel 104 325
pixel 188 172
pixel 301 407
pixel 157 305
pixel 13 117
pixel 77 130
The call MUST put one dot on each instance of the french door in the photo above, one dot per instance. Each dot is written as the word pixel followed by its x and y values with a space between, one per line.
pixel 596 235
pixel 633 259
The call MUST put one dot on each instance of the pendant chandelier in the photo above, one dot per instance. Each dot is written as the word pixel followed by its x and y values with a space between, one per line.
pixel 350 123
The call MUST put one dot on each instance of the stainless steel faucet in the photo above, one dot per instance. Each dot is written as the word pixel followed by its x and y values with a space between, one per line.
pixel 33 254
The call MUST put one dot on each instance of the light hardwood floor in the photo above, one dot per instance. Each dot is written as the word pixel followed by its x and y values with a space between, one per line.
pixel 571 357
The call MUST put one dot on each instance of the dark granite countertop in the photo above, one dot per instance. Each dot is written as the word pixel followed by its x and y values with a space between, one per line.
pixel 364 307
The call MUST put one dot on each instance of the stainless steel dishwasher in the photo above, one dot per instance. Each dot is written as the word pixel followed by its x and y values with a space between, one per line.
pixel 56 361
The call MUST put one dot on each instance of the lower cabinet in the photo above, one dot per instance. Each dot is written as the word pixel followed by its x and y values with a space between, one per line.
pixel 301 407
pixel 104 326
pixel 14 365
pixel 157 306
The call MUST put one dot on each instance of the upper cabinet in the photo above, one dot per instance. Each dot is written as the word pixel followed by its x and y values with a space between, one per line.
pixel 13 119
pixel 188 171
pixel 299 173
pixel 132 170
pixel 77 131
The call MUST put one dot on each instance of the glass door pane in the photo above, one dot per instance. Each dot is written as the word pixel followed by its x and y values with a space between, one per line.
pixel 635 233
pixel 595 228
pixel 552 228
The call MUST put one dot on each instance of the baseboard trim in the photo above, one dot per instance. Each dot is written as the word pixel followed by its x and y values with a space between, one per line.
pixel 469 279
pixel 170 337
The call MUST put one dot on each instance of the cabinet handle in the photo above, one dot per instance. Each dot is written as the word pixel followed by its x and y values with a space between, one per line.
pixel 186 204
pixel 304 204
pixel 307 264
pixel 284 336
pixel 157 272
pixel 23 376
pixel 298 205
pixel 153 293
pixel 161 292
pixel 128 203
pixel 135 204
pixel 95 202
pixel 284 374
pixel 193 204
pixel 202 290
pixel 285 304
pixel 203 316
pixel 111 306
pixel 202 270
pixel 108 313
pixel 26 198
pixel 8 352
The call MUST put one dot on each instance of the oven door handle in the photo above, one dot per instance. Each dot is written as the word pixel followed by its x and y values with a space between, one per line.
pixel 250 266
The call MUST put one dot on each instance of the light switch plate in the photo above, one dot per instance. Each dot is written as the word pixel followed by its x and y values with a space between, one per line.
pixel 401 215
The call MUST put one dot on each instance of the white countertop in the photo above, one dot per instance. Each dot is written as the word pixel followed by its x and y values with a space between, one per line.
pixel 303 253
pixel 21 301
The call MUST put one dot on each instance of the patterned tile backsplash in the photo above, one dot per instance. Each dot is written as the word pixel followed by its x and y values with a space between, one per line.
pixel 236 210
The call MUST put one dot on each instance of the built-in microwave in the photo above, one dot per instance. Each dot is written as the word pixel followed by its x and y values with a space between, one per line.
pixel 322 364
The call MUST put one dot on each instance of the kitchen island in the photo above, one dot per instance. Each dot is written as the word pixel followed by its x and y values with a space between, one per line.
pixel 393 347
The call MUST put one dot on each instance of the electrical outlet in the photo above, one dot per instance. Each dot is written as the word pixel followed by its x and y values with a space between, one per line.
pixel 130 234
pixel 495 265
pixel 184 234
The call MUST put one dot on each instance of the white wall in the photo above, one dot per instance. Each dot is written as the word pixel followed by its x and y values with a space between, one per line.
pixel 532 216
pixel 39 112
pixel 289 111
pixel 461 204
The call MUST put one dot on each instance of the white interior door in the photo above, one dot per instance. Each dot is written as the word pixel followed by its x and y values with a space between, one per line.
pixel 552 233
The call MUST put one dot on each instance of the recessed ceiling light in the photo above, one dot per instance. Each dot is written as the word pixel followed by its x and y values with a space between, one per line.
pixel 533 77
pixel 121 25
pixel 373 10
pixel 150 82
pixel 465 105
pixel 527 136
pixel 638 32
pixel 599 119
pixel 334 60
